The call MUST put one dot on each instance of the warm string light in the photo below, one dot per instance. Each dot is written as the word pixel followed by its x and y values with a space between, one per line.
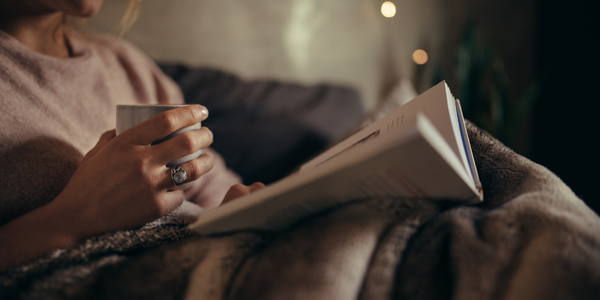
pixel 420 57
pixel 388 9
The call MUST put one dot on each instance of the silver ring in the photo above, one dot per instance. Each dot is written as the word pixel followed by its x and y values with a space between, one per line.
pixel 178 175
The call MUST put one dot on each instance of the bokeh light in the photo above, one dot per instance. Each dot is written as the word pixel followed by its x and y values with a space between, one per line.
pixel 420 57
pixel 388 9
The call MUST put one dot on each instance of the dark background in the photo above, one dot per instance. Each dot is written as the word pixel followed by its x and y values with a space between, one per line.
pixel 565 119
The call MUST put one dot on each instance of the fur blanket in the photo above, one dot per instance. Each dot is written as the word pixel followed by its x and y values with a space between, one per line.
pixel 531 238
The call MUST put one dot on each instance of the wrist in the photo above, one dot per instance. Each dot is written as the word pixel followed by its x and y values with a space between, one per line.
pixel 35 233
pixel 67 229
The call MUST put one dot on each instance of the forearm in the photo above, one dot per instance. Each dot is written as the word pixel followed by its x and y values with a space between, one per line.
pixel 35 233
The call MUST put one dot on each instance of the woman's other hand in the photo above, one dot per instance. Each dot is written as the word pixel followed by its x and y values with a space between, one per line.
pixel 123 182
pixel 239 190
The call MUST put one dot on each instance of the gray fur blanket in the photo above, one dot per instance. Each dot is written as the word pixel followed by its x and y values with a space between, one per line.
pixel 531 238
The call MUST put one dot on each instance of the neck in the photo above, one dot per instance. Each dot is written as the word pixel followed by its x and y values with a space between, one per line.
pixel 43 33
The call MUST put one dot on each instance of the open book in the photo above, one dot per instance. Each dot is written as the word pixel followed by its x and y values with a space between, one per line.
pixel 420 150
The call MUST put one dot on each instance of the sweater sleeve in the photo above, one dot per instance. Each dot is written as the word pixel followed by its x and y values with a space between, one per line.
pixel 209 190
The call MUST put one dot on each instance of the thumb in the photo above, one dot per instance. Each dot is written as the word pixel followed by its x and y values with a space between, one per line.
pixel 104 139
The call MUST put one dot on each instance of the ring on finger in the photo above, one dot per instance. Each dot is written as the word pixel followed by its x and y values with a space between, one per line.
pixel 178 175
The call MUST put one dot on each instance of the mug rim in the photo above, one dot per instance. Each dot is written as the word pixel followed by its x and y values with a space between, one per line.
pixel 152 105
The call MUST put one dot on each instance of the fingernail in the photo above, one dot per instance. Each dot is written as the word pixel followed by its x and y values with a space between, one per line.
pixel 204 112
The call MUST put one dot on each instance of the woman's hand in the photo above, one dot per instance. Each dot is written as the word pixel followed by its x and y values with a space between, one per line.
pixel 239 190
pixel 123 182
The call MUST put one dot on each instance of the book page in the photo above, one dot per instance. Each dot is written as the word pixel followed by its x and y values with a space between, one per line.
pixel 457 126
pixel 468 149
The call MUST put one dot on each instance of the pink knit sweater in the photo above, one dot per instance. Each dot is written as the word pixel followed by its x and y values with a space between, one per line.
pixel 53 111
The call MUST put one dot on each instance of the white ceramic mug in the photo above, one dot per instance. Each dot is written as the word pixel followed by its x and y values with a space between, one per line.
pixel 132 115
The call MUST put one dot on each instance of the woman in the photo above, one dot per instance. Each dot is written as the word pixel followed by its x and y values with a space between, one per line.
pixel 58 93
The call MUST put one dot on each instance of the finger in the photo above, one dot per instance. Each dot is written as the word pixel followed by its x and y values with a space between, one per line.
pixel 104 139
pixel 165 123
pixel 166 202
pixel 194 169
pixel 182 145
pixel 256 186
pixel 236 191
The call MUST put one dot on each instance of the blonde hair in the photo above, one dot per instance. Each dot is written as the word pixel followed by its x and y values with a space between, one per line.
pixel 131 14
